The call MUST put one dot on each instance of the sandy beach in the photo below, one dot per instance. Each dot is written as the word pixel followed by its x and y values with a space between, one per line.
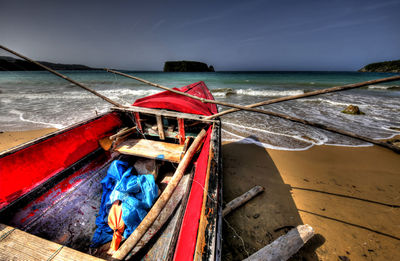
pixel 350 196
pixel 346 194
pixel 13 138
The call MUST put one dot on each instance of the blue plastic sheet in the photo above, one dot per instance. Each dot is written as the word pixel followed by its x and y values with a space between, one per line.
pixel 136 192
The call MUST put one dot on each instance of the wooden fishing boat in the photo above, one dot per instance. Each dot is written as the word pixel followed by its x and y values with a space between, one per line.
pixel 50 187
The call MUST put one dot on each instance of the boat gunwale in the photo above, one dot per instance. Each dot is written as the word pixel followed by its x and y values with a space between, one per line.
pixel 50 135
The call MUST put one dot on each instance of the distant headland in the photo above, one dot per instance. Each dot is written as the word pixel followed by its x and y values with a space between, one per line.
pixel 389 66
pixel 11 64
pixel 187 66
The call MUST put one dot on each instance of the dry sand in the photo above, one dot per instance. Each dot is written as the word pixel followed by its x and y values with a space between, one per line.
pixel 343 193
pixel 13 138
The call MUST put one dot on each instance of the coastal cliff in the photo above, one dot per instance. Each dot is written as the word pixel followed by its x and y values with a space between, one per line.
pixel 11 64
pixel 187 66
pixel 389 66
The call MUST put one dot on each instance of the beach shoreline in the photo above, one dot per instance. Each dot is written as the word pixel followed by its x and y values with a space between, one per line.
pixel 344 193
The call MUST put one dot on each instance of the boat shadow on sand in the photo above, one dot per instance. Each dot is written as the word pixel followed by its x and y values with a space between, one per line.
pixel 264 218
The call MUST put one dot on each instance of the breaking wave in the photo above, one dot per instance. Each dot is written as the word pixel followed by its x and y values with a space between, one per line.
pixel 251 92
pixel 384 87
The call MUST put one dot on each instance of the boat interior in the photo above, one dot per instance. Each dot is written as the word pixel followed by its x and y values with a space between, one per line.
pixel 61 206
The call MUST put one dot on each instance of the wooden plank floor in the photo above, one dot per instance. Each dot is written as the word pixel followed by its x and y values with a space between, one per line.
pixel 151 149
pixel 19 245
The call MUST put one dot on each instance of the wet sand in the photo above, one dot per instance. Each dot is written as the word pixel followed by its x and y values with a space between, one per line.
pixel 344 193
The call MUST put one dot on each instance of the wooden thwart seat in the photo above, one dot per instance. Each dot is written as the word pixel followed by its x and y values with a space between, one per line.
pixel 19 245
pixel 151 149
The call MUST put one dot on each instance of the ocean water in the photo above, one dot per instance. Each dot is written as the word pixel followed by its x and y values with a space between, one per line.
pixel 30 100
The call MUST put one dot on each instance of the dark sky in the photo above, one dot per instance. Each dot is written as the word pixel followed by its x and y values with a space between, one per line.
pixel 231 35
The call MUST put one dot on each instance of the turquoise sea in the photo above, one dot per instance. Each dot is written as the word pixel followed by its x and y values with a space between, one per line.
pixel 30 100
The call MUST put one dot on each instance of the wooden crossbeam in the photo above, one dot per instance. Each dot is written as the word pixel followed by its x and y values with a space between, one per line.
pixel 151 149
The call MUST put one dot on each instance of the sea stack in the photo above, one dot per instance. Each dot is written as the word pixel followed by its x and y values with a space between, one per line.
pixel 187 66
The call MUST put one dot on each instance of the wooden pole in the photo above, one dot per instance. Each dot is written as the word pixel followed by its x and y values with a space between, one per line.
pixel 134 238
pixel 237 202
pixel 62 76
pixel 285 246
pixel 309 94
pixel 251 106
pixel 280 115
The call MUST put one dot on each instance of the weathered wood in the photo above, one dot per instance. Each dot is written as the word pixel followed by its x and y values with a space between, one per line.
pixel 162 218
pixel 107 142
pixel 181 213
pixel 63 76
pixel 160 127
pixel 203 219
pixel 164 113
pixel 160 249
pixel 237 202
pixel 161 201
pixel 122 132
pixel 213 232
pixel 151 149
pixel 19 245
pixel 69 254
pixel 185 146
pixel 168 134
pixel 285 246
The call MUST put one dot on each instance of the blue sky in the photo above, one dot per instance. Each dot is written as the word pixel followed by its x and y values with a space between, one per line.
pixel 231 35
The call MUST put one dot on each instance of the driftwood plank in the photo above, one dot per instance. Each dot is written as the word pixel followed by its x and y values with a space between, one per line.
pixel 284 246
pixel 237 202
pixel 151 149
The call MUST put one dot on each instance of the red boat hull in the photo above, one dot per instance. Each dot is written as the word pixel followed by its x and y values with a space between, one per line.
pixel 27 168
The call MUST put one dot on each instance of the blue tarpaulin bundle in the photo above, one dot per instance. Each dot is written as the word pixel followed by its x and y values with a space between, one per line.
pixel 136 192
